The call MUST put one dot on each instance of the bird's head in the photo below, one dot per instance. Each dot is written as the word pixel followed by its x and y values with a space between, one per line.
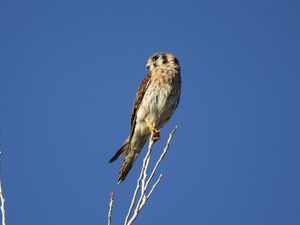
pixel 162 60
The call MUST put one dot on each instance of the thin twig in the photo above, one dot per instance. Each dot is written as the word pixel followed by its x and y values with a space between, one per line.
pixel 1 196
pixel 111 203
pixel 161 156
pixel 146 197
pixel 154 185
pixel 138 183
pixel 143 189
pixel 2 205
pixel 144 182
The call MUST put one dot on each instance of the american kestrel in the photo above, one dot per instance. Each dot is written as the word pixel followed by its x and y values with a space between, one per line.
pixel 155 102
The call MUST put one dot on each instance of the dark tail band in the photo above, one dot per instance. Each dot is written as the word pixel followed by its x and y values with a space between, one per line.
pixel 121 151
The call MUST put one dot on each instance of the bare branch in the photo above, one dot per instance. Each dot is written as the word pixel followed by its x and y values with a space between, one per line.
pixel 2 205
pixel 143 182
pixel 154 185
pixel 146 197
pixel 111 202
pixel 145 167
pixel 162 155
pixel 138 183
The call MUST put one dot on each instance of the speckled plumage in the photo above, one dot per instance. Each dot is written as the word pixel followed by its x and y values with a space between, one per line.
pixel 156 100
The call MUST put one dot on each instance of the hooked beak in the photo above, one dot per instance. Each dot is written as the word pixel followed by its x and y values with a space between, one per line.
pixel 147 66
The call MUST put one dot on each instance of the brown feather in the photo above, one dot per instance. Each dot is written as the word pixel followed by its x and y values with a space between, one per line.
pixel 123 149
pixel 127 164
pixel 138 99
pixel 132 155
pixel 156 98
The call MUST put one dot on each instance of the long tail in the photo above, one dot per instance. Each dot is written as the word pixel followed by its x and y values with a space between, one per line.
pixel 127 164
pixel 121 151
pixel 130 157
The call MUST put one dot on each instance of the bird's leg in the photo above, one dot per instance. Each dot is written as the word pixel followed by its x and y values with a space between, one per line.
pixel 153 130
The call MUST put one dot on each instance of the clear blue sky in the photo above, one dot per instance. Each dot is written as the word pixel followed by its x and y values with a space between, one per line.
pixel 68 74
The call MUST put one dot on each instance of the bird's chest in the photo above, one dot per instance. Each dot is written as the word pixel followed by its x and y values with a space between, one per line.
pixel 155 102
pixel 156 96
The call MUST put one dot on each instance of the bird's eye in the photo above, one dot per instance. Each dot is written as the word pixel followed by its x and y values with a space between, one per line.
pixel 155 57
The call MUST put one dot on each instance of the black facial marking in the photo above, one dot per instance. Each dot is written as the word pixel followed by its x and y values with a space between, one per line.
pixel 164 59
pixel 155 57
pixel 154 64
pixel 176 61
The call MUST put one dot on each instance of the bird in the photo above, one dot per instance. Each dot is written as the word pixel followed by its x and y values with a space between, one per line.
pixel 155 102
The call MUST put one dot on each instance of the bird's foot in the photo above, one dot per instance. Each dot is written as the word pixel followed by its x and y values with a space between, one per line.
pixel 154 131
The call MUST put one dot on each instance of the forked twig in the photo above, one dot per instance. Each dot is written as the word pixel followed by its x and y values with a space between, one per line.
pixel 143 182
pixel 138 183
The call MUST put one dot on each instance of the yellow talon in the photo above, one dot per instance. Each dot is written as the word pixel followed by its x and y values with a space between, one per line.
pixel 154 130
pixel 150 126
